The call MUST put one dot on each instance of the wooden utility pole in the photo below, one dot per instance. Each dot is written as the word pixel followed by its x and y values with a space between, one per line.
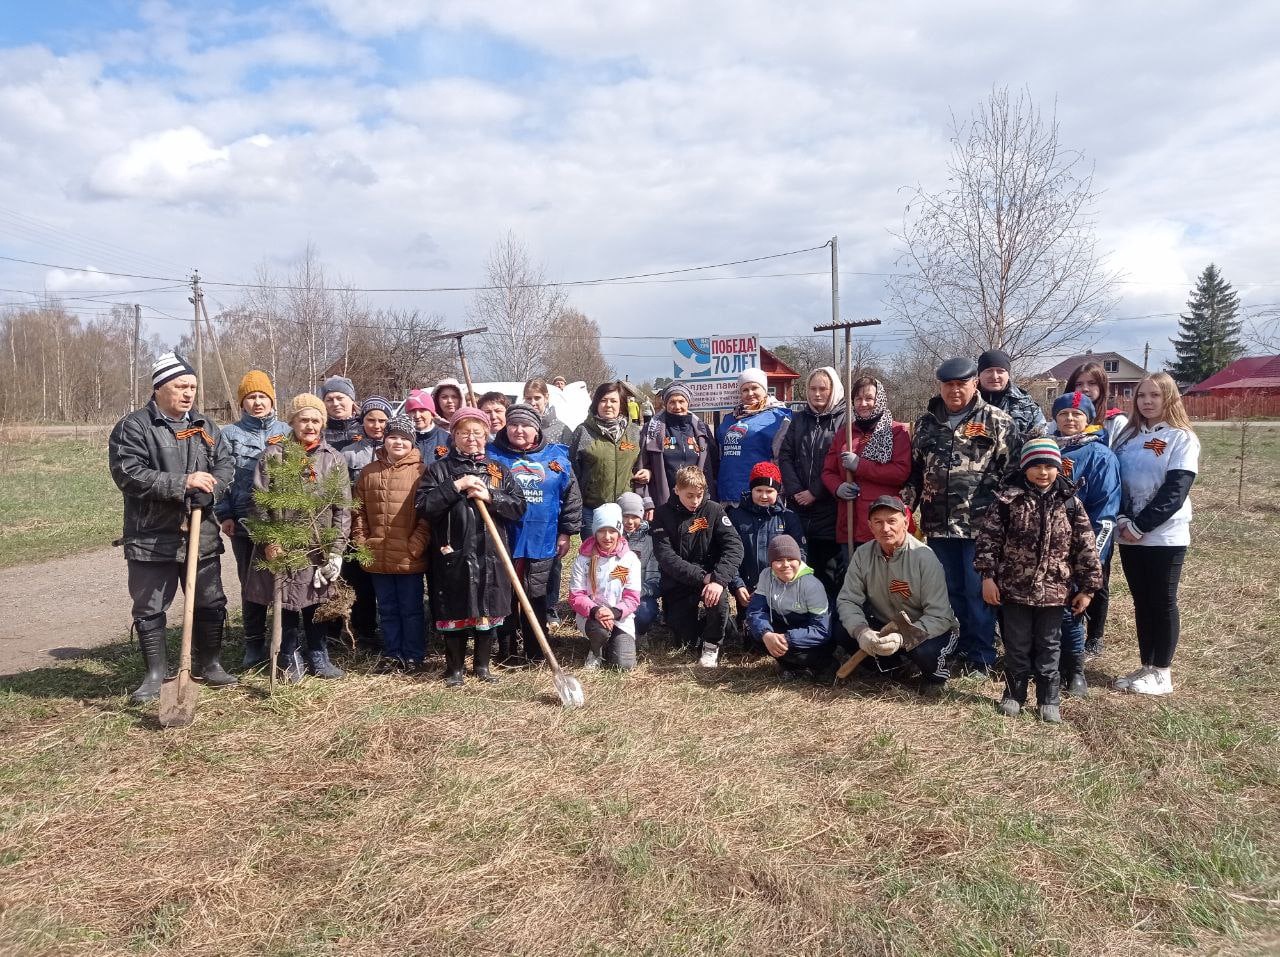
pixel 1146 355
pixel 194 299
pixel 222 369
pixel 848 328
pixel 133 357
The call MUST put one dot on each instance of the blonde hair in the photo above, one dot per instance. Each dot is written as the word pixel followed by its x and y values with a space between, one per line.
pixel 1171 408
pixel 690 476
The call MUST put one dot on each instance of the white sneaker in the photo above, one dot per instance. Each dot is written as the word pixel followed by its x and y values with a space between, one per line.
pixel 710 655
pixel 593 663
pixel 1124 681
pixel 1157 681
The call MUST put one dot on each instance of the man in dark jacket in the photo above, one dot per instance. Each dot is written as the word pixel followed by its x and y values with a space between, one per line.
pixel 961 449
pixel 995 380
pixel 698 556
pixel 166 459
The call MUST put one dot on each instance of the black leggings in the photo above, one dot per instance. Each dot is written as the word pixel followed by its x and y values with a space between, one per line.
pixel 1153 572
pixel 1097 616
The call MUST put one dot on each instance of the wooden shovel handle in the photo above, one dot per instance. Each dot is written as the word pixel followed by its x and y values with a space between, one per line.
pixel 846 669
pixel 189 591
pixel 514 576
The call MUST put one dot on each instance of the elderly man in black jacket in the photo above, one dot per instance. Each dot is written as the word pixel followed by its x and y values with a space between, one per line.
pixel 166 460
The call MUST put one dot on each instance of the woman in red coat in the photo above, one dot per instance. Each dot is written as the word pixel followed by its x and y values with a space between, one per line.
pixel 880 460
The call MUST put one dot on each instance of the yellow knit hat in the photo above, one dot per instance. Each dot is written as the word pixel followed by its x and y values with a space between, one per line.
pixel 255 380
pixel 304 401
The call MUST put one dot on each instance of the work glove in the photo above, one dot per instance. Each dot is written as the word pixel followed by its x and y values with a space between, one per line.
pixel 885 645
pixel 197 498
pixel 328 572
pixel 848 491
pixel 866 638
pixel 849 460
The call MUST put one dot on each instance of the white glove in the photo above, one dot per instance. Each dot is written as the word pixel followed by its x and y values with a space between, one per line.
pixel 848 491
pixel 866 638
pixel 885 645
pixel 849 460
pixel 328 572
pixel 1126 525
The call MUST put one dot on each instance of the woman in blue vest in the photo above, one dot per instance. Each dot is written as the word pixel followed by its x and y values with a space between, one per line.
pixel 552 513
pixel 752 433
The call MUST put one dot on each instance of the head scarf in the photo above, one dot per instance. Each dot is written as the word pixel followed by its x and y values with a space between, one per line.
pixel 879 444
pixel 837 389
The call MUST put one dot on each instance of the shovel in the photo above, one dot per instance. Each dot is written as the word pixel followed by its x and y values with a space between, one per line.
pixel 567 686
pixel 178 694
pixel 277 611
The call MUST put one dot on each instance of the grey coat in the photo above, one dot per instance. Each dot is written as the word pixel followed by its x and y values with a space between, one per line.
pixel 299 592
pixel 150 459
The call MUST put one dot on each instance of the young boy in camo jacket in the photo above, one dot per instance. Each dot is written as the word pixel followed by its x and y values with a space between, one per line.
pixel 1035 552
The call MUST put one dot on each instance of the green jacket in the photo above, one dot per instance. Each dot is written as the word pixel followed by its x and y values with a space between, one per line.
pixel 955 472
pixel 603 467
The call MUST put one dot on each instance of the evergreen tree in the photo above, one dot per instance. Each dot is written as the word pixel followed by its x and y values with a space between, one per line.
pixel 1209 337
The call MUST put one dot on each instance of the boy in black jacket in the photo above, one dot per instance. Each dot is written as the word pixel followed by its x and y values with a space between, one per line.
pixel 698 555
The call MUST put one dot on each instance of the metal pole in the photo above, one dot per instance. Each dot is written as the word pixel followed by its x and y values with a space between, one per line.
pixel 835 294
pixel 848 425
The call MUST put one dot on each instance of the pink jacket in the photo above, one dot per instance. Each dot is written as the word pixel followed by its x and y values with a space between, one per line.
pixel 615 580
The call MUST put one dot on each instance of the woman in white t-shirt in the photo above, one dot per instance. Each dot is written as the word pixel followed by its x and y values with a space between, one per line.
pixel 1159 457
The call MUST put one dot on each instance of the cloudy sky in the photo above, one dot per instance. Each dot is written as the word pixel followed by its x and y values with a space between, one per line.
pixel 403 139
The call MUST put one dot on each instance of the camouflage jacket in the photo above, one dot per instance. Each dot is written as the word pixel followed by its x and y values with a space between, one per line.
pixel 954 473
pixel 1038 547
pixel 1028 417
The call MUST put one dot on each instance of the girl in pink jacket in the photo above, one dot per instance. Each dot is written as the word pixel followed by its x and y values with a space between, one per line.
pixel 604 590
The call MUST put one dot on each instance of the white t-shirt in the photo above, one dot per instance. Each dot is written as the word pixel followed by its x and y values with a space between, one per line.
pixel 1145 457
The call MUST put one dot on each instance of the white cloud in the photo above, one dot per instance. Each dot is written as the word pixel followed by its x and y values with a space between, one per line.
pixel 168 165
pixel 74 280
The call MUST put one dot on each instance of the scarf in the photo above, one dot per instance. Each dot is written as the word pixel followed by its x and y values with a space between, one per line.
pixel 879 444
pixel 837 390
pixel 613 428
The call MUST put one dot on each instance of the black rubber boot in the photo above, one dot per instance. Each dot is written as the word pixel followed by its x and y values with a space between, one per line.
pixel 480 657
pixel 1015 694
pixel 206 647
pixel 1071 670
pixel 455 654
pixel 255 652
pixel 151 641
pixel 1049 698
pixel 289 660
pixel 318 662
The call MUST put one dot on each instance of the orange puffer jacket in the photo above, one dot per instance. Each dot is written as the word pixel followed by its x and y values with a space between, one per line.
pixel 386 521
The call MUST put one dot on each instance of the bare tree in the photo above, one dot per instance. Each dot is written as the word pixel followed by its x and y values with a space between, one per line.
pixel 574 349
pixel 520 311
pixel 396 351
pixel 806 353
pixel 1005 256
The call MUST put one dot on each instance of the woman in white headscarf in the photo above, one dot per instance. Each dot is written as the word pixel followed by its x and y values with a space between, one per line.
pixel 804 449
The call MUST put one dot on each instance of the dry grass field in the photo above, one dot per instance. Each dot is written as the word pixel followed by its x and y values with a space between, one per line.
pixel 680 812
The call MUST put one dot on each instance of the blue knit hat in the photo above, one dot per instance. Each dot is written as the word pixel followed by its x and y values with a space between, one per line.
pixel 608 515
pixel 1074 400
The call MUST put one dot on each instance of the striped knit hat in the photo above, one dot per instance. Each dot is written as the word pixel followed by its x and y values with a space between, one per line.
pixel 401 425
pixel 168 367
pixel 1042 451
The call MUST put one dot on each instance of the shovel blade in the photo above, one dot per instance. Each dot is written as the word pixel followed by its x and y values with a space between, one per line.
pixel 178 701
pixel 569 689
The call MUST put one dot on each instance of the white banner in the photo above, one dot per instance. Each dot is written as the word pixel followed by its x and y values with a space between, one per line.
pixel 714 357
pixel 710 395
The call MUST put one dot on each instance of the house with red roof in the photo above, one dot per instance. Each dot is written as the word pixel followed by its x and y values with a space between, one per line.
pixel 1123 375
pixel 1254 375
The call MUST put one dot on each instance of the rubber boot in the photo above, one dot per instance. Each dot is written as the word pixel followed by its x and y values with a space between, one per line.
pixel 1071 670
pixel 206 647
pixel 289 660
pixel 255 652
pixel 151 641
pixel 480 657
pixel 318 662
pixel 1015 694
pixel 1049 698
pixel 455 651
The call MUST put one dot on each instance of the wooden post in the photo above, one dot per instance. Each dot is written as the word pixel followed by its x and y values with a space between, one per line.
pixel 222 369
pixel 195 322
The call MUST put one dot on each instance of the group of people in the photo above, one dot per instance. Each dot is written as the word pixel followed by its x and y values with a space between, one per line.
pixel 835 530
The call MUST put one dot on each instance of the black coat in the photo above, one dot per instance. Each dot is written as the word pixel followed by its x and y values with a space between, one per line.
pixel 465 573
pixel 150 460
pixel 804 448
pixel 691 544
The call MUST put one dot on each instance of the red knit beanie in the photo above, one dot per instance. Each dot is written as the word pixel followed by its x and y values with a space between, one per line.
pixel 766 473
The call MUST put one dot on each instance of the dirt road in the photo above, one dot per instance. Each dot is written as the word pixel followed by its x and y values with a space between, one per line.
pixel 59 609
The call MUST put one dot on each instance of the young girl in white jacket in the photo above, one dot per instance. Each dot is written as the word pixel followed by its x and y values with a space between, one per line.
pixel 604 590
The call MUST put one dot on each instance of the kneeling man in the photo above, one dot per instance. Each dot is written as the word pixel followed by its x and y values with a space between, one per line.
pixel 897 581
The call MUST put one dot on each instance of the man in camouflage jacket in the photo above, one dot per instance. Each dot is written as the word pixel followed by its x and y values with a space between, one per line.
pixel 995 384
pixel 961 448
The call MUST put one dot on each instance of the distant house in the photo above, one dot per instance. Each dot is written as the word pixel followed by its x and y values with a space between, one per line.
pixel 782 377
pixel 1122 374
pixel 1256 375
